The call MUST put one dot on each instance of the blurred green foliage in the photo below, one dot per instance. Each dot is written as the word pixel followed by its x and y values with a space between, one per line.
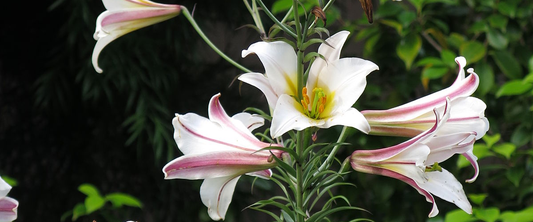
pixel 95 202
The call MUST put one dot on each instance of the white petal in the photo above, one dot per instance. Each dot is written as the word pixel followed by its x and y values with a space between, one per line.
pixel 279 60
pixel 444 185
pixel 261 82
pixel 288 115
pixel 351 118
pixel 4 188
pixel 345 81
pixel 252 122
pixel 102 42
pixel 195 134
pixel 216 194
pixel 445 146
pixel 330 52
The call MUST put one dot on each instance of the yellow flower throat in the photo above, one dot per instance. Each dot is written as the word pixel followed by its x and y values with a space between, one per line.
pixel 313 110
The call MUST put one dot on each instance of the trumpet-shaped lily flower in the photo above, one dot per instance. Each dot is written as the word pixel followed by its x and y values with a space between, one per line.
pixel 415 162
pixel 413 118
pixel 219 150
pixel 125 16
pixel 332 87
pixel 8 205
pixel 467 121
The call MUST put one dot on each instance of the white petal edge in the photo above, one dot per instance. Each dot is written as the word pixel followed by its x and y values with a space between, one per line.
pixel 261 82
pixel 444 185
pixel 216 195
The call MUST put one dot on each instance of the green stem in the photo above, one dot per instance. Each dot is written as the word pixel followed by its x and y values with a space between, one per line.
pixel 331 155
pixel 299 176
pixel 275 20
pixel 187 15
pixel 255 16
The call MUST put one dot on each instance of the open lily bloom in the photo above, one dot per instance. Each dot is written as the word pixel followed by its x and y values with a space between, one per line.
pixel 415 162
pixel 125 16
pixel 8 205
pixel 219 149
pixel 413 118
pixel 332 87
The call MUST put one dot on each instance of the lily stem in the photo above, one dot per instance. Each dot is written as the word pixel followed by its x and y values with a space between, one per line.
pixel 329 159
pixel 300 146
pixel 189 17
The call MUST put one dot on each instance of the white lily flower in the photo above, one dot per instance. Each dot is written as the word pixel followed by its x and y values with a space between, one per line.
pixel 332 87
pixel 466 124
pixel 415 162
pixel 219 150
pixel 125 16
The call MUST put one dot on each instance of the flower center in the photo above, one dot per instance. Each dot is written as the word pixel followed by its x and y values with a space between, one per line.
pixel 314 109
pixel 435 167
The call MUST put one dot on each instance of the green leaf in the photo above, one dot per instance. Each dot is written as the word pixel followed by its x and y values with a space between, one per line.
pixel 507 8
pixel 455 40
pixel 9 180
pixel 93 203
pixel 370 43
pixel 406 18
pixel 486 77
pixel 408 49
pixel 417 4
pixel 394 24
pixel 432 61
pixel 507 63
pixel 521 135
pixel 79 210
pixel 524 215
pixel 530 64
pixel 491 140
pixel 388 9
pixel 458 215
pixel 478 27
pixel 514 175
pixel 496 39
pixel 434 72
pixel 448 57
pixel 473 51
pixel 366 33
pixel 119 199
pixel 498 21
pixel 489 214
pixel 513 87
pixel 528 78
pixel 88 189
pixel 477 198
pixel 505 149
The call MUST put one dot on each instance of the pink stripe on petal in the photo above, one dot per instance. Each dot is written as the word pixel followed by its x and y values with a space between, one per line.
pixel 8 209
pixel 473 160
pixel 423 105
pixel 219 115
pixel 131 15
pixel 199 135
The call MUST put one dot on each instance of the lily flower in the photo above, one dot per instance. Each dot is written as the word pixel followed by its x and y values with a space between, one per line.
pixel 415 162
pixel 219 150
pixel 413 118
pixel 125 16
pixel 332 87
pixel 8 205
pixel 467 121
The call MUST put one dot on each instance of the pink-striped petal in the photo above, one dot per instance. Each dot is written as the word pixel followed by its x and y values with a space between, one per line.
pixel 250 121
pixel 473 160
pixel 216 164
pixel 461 88
pixel 8 209
pixel 232 127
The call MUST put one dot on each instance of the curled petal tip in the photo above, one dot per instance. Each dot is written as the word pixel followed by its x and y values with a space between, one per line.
pixel 461 61
pixel 470 70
